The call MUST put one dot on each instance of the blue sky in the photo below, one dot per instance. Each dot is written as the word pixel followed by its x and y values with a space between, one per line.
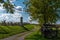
pixel 24 14
pixel 17 14
pixel 11 17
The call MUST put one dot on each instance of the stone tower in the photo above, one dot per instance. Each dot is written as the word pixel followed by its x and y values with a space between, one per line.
pixel 21 21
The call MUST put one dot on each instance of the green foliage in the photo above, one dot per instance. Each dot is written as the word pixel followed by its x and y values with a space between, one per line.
pixel 35 36
pixel 29 26
pixel 38 36
pixel 45 11
pixel 8 6
pixel 1 1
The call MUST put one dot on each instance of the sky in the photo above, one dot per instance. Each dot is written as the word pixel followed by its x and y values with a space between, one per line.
pixel 24 14
pixel 19 6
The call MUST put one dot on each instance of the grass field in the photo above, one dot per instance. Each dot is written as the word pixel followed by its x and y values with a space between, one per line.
pixel 36 35
pixel 30 26
pixel 6 31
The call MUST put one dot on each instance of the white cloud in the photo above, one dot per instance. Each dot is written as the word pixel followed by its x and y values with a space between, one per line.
pixel 19 9
pixel 32 21
pixel 29 18
pixel 10 17
pixel 1 8
pixel 17 15
pixel 12 0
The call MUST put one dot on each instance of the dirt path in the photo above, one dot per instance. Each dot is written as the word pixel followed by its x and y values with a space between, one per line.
pixel 20 36
pixel 23 36
pixel 27 33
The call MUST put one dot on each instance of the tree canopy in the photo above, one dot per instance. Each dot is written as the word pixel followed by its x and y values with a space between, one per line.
pixel 45 11
pixel 8 6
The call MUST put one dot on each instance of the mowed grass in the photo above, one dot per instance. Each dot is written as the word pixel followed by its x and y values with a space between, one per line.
pixel 6 31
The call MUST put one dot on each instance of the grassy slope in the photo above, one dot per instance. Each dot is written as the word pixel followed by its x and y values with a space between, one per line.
pixel 29 26
pixel 6 31
pixel 35 36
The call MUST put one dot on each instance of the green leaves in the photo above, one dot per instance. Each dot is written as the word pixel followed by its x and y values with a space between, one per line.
pixel 1 1
pixel 8 6
pixel 44 10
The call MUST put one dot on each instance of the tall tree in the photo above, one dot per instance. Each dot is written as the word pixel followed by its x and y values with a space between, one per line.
pixel 45 11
